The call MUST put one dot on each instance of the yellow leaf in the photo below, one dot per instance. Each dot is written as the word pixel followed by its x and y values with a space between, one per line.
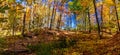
pixel 109 2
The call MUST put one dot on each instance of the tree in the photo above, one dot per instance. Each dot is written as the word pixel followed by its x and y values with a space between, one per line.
pixel 53 13
pixel 75 8
pixel 61 9
pixel 23 29
pixel 89 20
pixel 117 15
pixel 96 15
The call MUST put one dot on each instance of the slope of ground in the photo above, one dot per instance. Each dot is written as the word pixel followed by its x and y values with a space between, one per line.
pixel 63 43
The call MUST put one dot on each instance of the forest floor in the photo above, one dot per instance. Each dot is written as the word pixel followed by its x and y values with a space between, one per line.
pixel 53 42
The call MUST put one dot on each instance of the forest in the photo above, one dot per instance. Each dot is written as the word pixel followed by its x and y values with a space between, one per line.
pixel 59 27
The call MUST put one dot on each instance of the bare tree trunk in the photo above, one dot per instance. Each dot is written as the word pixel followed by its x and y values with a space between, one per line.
pixel 85 22
pixel 117 16
pixel 48 17
pixel 54 18
pixel 51 20
pixel 23 29
pixel 59 21
pixel 97 20
pixel 89 20
pixel 102 18
pixel 70 24
pixel 13 27
pixel 31 19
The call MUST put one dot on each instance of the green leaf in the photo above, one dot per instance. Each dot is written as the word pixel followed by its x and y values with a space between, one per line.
pixel 75 5
pixel 2 9
pixel 70 3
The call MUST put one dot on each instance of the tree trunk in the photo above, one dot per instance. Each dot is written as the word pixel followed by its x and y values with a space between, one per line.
pixel 23 29
pixel 97 20
pixel 54 18
pixel 31 19
pixel 59 21
pixel 117 16
pixel 102 18
pixel 89 20
pixel 70 23
pixel 51 21
pixel 85 22
pixel 13 27
pixel 48 22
